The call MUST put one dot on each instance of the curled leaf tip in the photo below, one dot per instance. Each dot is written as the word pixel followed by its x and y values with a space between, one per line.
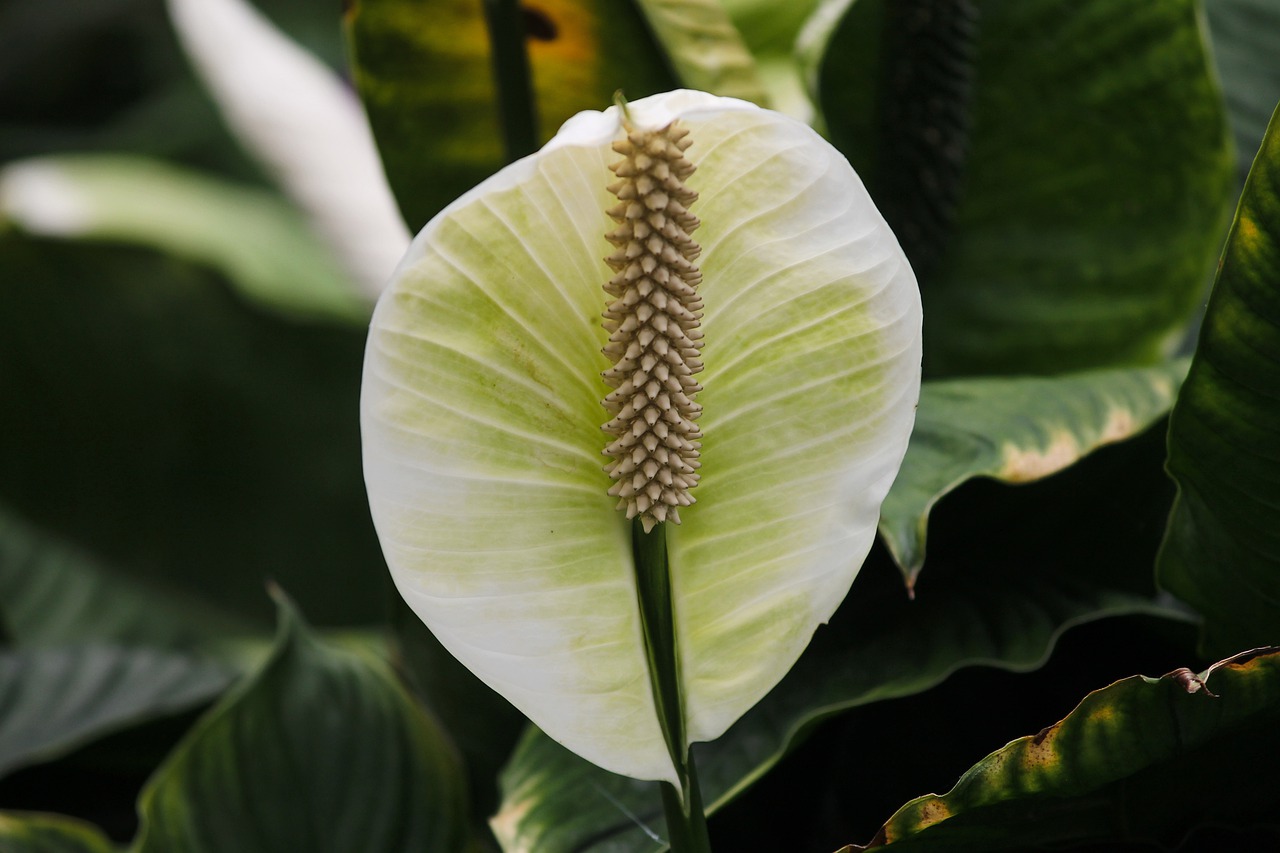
pixel 653 324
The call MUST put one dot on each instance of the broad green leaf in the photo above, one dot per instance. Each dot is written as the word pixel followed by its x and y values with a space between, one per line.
pixel 1222 549
pixel 54 594
pixel 1161 754
pixel 1012 429
pixel 55 699
pixel 143 396
pixel 424 74
pixel 1013 569
pixel 1246 47
pixel 1059 172
pixel 252 237
pixel 30 832
pixel 482 419
pixel 321 750
pixel 704 47
pixel 306 127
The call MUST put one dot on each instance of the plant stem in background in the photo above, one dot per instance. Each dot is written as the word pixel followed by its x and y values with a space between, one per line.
pixel 516 109
pixel 686 824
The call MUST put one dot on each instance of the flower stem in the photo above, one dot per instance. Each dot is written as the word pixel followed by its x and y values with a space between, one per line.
pixel 516 110
pixel 686 823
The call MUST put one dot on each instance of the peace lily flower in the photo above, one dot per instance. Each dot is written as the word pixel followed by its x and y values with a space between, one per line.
pixel 490 372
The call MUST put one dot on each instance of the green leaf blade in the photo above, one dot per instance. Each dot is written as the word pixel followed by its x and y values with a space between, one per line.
pixel 29 832
pixel 1221 551
pixel 1096 178
pixel 1165 750
pixel 55 699
pixel 1015 430
pixel 321 750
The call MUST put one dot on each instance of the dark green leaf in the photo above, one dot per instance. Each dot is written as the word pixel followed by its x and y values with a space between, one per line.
pixel 1144 758
pixel 154 418
pixel 54 594
pixel 1012 429
pixel 320 751
pixel 28 832
pixel 1011 569
pixel 423 70
pixel 55 699
pixel 1073 195
pixel 1222 552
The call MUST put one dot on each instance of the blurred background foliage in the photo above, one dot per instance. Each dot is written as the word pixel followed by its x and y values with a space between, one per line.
pixel 171 440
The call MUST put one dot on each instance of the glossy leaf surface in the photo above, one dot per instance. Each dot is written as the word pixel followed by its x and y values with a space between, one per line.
pixel 1222 552
pixel 54 699
pixel 1073 191
pixel 1016 430
pixel 1160 754
pixel 320 750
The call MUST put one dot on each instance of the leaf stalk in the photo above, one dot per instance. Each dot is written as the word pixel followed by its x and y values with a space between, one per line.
pixel 517 112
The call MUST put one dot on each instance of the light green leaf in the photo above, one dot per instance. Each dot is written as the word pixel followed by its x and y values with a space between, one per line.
pixel 425 75
pixel 1059 173
pixel 482 419
pixel 29 832
pixel 55 699
pixel 770 30
pixel 54 594
pixel 1012 429
pixel 1222 551
pixel 1167 753
pixel 320 751
pixel 254 238
pixel 704 47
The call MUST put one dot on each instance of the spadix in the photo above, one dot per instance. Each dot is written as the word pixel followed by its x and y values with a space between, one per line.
pixel 481 413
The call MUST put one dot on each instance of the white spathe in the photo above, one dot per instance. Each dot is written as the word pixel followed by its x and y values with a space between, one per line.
pixel 481 420
pixel 302 122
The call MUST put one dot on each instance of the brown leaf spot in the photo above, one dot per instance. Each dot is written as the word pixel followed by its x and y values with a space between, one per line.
pixel 1025 465
pixel 934 811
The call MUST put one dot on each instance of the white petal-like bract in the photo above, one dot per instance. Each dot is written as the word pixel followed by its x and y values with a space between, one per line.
pixel 481 423
pixel 302 122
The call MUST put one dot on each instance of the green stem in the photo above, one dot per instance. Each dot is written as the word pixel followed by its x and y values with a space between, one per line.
pixel 686 823
pixel 516 110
